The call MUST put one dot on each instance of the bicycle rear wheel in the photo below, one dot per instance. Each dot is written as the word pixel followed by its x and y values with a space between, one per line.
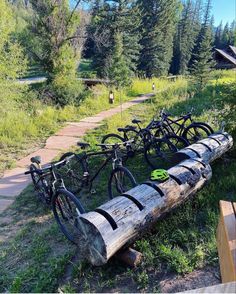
pixel 195 132
pixel 178 141
pixel 121 180
pixel 66 209
pixel 159 153
pixel 112 139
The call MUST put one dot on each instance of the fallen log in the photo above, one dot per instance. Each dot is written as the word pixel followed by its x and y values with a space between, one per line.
pixel 120 221
pixel 116 223
pixel 207 149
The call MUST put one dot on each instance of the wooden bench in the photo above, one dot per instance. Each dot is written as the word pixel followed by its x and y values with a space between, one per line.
pixel 226 241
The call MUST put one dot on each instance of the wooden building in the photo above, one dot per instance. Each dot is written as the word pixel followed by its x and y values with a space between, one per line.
pixel 226 58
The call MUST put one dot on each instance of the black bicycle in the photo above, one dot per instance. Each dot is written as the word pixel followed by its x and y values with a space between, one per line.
pixel 79 175
pixel 51 189
pixel 184 126
pixel 144 140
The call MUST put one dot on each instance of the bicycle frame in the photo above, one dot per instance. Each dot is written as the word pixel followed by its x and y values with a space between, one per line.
pixel 89 180
pixel 168 122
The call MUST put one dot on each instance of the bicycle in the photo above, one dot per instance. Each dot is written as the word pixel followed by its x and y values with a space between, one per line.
pixel 192 132
pixel 51 189
pixel 79 175
pixel 144 139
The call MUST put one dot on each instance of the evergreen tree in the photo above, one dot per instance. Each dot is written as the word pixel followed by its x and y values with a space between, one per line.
pixel 218 36
pixel 203 61
pixel 112 22
pixel 232 35
pixel 158 28
pixel 119 70
pixel 226 36
pixel 50 36
pixel 185 37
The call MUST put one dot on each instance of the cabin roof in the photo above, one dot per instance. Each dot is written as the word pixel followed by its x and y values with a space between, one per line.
pixel 233 49
pixel 227 56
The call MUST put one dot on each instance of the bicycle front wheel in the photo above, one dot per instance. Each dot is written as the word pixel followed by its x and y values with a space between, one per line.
pixel 121 180
pixel 67 209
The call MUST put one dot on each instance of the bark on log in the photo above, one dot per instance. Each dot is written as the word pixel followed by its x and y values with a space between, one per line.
pixel 207 149
pixel 119 221
pixel 130 257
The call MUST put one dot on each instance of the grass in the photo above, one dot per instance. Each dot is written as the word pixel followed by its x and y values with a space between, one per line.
pixel 29 122
pixel 35 255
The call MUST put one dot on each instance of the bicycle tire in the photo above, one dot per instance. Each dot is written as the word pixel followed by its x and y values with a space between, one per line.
pixel 159 153
pixel 179 141
pixel 114 136
pixel 57 209
pixel 192 136
pixel 72 181
pixel 121 189
pixel 43 191
pixel 207 126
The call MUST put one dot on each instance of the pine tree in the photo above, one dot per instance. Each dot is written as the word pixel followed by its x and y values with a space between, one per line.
pixel 203 61
pixel 185 38
pixel 218 36
pixel 232 35
pixel 119 70
pixel 111 19
pixel 158 28
pixel 226 36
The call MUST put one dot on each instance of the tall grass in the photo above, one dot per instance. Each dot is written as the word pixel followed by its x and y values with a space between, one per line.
pixel 26 121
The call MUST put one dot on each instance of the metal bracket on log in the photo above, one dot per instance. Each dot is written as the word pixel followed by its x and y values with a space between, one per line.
pixel 121 220
pixel 207 149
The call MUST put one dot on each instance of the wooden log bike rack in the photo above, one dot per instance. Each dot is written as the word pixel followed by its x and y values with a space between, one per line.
pixel 121 220
pixel 226 241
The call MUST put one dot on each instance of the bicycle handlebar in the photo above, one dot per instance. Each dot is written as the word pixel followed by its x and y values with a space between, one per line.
pixel 58 164
pixel 116 144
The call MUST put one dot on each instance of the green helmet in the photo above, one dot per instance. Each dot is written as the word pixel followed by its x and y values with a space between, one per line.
pixel 159 175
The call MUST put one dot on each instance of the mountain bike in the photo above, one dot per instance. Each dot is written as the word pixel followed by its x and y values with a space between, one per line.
pixel 192 132
pixel 51 189
pixel 142 139
pixel 160 152
pixel 81 174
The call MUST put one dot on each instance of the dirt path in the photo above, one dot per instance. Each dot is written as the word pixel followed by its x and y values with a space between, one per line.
pixel 14 181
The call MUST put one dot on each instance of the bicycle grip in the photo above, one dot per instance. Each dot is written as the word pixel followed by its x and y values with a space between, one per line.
pixel 28 172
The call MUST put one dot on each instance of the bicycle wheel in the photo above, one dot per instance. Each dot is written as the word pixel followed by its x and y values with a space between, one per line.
pixel 40 185
pixel 121 180
pixel 159 153
pixel 66 209
pixel 161 131
pixel 112 139
pixel 195 132
pixel 140 138
pixel 178 141
pixel 205 125
pixel 72 172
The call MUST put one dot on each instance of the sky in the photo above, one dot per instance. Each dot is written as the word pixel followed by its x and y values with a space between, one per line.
pixel 224 10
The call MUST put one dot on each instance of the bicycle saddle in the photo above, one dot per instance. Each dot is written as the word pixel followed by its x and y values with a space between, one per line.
pixel 127 128
pixel 136 121
pixel 36 159
pixel 83 145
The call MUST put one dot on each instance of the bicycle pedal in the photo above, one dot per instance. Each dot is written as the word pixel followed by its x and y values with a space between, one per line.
pixel 93 191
